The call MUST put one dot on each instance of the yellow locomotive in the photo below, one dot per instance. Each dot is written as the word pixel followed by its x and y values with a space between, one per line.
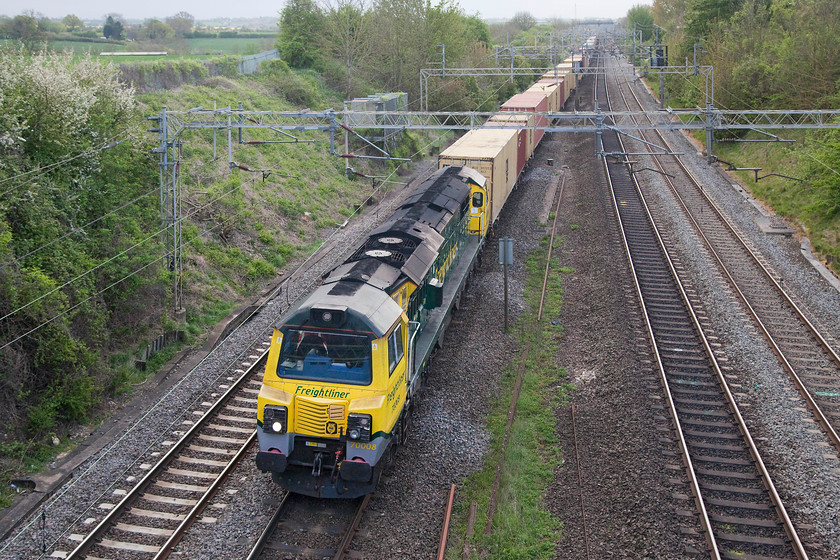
pixel 345 363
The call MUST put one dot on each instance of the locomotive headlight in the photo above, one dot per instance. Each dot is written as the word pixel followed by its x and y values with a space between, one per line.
pixel 358 426
pixel 274 419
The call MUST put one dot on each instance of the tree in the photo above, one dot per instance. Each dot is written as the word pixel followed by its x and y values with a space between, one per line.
pixel 113 28
pixel 477 30
pixel 404 42
pixel 156 30
pixel 52 107
pixel 349 37
pixel 704 15
pixel 73 23
pixel 301 26
pixel 640 16
pixel 182 23
pixel 25 29
pixel 524 20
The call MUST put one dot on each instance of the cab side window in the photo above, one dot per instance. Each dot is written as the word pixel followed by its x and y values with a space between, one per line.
pixel 395 349
pixel 478 199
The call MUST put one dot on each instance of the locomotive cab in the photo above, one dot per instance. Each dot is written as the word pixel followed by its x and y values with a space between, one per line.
pixel 333 393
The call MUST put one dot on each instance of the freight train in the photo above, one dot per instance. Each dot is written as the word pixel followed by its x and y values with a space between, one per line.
pixel 345 364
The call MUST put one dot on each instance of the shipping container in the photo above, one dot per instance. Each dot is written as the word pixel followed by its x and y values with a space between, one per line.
pixel 491 152
pixel 530 103
pixel 525 143
pixel 578 62
pixel 565 71
pixel 555 92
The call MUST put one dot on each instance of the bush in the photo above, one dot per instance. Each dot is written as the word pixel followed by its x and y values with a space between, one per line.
pixel 297 88
pixel 260 268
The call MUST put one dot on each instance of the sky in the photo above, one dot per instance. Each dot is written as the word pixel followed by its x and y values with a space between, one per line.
pixel 201 9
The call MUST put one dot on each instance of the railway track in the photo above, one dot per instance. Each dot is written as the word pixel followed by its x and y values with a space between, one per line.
pixel 808 355
pixel 739 510
pixel 157 508
pixel 306 527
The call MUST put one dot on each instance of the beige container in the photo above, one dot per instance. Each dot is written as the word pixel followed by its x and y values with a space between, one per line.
pixel 491 152
pixel 525 144
pixel 564 71
pixel 554 93
pixel 578 60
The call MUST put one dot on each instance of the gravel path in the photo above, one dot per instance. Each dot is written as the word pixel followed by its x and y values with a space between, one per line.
pixel 631 478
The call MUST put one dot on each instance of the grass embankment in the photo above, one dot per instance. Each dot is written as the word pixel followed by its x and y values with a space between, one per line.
pixel 814 203
pixel 522 526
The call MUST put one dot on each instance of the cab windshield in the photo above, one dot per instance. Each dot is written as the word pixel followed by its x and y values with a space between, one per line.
pixel 314 355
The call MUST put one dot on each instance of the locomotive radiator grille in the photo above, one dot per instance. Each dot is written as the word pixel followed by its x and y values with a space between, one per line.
pixel 315 417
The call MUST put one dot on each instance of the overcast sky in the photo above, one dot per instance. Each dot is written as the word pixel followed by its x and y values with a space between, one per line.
pixel 161 9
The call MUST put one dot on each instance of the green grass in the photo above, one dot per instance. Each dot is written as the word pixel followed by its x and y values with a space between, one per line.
pixel 187 49
pixel 812 204
pixel 233 45
pixel 522 526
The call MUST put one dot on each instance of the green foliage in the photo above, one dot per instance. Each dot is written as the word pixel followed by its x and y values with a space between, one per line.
pixel 476 30
pixel 705 15
pixel 301 23
pixel 260 268
pixel 813 203
pixel 24 28
pixel 72 122
pixel 640 17
pixel 298 88
pixel 821 168
pixel 764 52
pixel 113 29
pixel 771 54
pixel 156 30
pixel 72 22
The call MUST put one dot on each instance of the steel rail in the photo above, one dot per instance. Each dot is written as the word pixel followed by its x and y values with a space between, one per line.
pixel 266 534
pixel 181 530
pixel 790 530
pixel 118 509
pixel 551 247
pixel 800 385
pixel 344 546
pixel 444 534
pixel 705 522
pixel 580 483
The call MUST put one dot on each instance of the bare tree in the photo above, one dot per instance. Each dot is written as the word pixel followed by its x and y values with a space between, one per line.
pixel 182 23
pixel 524 20
pixel 348 36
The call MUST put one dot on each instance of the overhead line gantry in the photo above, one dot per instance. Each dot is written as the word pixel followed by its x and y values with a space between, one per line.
pixel 170 125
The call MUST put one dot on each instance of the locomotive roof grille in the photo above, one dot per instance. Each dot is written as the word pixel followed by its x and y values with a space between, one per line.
pixel 411 238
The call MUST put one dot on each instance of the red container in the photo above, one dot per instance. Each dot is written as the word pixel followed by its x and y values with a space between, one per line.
pixel 530 103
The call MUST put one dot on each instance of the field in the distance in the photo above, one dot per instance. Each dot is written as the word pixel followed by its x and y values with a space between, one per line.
pixel 185 48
